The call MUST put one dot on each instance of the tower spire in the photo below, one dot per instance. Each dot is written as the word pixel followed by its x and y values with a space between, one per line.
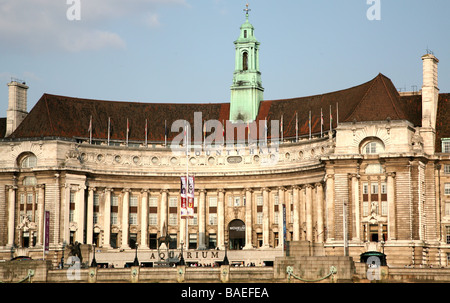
pixel 246 10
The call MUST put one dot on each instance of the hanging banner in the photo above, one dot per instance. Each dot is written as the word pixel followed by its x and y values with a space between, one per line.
pixel 190 196
pixel 183 198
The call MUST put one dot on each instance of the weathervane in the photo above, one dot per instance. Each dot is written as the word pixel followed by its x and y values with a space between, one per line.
pixel 246 10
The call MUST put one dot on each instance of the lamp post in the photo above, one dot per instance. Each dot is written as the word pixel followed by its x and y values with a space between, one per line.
pixel 225 259
pixel 94 262
pixel 136 261
pixel 181 258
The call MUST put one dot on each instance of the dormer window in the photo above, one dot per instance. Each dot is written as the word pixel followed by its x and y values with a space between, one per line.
pixel 28 161
pixel 445 145
pixel 372 147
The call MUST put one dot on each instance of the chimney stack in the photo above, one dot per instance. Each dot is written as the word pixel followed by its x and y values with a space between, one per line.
pixel 430 97
pixel 17 105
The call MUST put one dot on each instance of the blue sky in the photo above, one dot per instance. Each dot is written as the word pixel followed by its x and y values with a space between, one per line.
pixel 182 51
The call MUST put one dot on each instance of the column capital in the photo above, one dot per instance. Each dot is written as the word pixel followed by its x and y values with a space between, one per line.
pixel 108 189
pixel 91 188
pixel 202 191
pixel 9 187
pixel 266 189
pixel 164 191
pixel 126 190
pixel 40 186
pixel 145 190
pixel 248 189
pixel 281 188
pixel 318 185
pixel 329 176
pixel 221 190
pixel 391 174
pixel 296 187
pixel 308 186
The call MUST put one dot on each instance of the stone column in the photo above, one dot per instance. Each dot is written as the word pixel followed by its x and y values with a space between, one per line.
pixel 11 214
pixel 90 216
pixel 248 218
pixel 107 219
pixel 281 203
pixel 144 219
pixel 392 227
pixel 65 213
pixel 79 210
pixel 356 206
pixel 296 225
pixel 320 227
pixel 330 207
pixel 266 218
pixel 163 223
pixel 201 220
pixel 302 214
pixel 309 213
pixel 221 220
pixel 41 211
pixel 57 214
pixel 125 218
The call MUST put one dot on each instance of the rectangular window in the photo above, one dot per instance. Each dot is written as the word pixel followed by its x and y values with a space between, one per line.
pixel 365 188
pixel 259 200
pixel 153 202
pixel 133 201
pixel 383 188
pixel 153 219
pixel 96 199
pixel 237 201
pixel 194 220
pixel 365 208
pixel 374 187
pixel 133 219
pixel 445 146
pixel 173 219
pixel 114 200
pixel 212 201
pixel 192 241
pixel 276 217
pixel 447 169
pixel 447 188
pixel 114 218
pixel 212 219
pixel 275 199
pixel 212 244
pixel 173 202
pixel 447 208
pixel 447 231
pixel 259 218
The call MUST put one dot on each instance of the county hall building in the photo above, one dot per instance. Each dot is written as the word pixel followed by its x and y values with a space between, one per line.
pixel 362 169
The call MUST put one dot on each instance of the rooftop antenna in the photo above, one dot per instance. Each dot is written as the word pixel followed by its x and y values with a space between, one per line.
pixel 429 51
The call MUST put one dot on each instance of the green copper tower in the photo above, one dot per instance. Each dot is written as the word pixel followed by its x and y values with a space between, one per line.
pixel 246 91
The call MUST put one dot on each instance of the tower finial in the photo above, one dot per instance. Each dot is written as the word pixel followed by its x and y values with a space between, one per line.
pixel 246 10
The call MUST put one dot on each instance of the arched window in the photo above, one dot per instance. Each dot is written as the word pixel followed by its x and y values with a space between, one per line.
pixel 29 160
pixel 245 61
pixel 372 147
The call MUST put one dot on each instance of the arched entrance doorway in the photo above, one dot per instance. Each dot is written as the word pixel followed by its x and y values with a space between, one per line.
pixel 236 230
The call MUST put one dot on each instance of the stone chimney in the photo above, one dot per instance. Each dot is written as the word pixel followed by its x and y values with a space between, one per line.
pixel 430 97
pixel 17 105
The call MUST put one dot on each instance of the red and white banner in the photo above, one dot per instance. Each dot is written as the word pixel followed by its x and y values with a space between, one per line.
pixel 190 196
pixel 183 198
pixel 187 198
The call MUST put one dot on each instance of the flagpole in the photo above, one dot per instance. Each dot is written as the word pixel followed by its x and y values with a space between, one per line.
pixel 90 130
pixel 309 125
pixel 187 185
pixel 109 128
pixel 321 123
pixel 146 125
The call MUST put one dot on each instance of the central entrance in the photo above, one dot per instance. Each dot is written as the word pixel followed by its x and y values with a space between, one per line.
pixel 236 230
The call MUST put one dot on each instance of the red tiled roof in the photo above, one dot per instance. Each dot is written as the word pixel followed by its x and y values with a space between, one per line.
pixel 59 116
